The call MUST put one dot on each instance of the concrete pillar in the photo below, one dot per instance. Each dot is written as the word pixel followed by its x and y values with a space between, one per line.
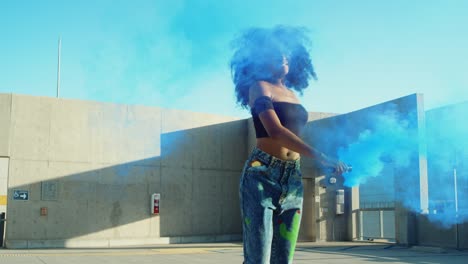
pixel 307 229
pixel 352 205
pixel 411 184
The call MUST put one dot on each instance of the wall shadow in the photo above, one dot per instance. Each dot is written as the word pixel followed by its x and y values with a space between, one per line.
pixel 197 176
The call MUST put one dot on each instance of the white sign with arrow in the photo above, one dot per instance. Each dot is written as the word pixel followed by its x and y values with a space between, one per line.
pixel 20 195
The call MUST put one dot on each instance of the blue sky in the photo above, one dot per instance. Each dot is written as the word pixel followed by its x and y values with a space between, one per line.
pixel 175 54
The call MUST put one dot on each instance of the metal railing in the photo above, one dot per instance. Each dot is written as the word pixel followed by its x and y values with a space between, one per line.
pixel 376 223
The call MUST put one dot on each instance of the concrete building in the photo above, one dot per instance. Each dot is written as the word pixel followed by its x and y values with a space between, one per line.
pixel 81 174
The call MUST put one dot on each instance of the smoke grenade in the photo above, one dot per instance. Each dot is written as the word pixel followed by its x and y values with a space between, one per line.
pixel 333 170
pixel 331 179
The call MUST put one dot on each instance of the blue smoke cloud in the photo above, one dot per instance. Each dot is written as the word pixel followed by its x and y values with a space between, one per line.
pixel 389 138
pixel 447 164
pixel 393 139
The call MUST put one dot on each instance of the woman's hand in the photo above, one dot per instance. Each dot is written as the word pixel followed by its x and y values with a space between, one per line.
pixel 337 166
pixel 340 167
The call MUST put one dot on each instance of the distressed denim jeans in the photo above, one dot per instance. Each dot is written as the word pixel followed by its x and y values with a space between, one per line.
pixel 271 196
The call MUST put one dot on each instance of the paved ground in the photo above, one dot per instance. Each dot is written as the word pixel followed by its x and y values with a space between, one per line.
pixel 224 253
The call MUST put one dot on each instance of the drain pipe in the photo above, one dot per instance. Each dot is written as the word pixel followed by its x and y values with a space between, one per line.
pixel 2 228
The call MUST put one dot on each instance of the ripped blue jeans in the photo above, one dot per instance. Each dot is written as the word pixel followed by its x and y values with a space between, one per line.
pixel 271 196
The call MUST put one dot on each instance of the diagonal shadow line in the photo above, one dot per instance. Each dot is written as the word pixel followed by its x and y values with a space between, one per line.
pixel 197 175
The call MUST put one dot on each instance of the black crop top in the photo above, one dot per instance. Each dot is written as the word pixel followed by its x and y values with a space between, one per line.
pixel 292 116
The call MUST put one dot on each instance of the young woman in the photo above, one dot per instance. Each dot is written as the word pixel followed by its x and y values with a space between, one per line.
pixel 268 67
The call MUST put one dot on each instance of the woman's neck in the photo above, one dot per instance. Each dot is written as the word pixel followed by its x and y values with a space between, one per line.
pixel 279 82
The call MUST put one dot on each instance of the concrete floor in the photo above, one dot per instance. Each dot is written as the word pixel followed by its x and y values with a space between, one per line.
pixel 227 253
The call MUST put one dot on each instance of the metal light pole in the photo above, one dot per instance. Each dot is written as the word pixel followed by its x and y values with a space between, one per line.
pixel 455 187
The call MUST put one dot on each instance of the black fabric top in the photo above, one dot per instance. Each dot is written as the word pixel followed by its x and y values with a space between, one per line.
pixel 292 116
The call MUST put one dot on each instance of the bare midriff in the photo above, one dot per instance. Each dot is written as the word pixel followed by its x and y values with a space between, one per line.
pixel 271 147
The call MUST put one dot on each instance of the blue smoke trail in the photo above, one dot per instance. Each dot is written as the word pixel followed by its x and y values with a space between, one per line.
pixel 389 138
pixel 392 139
pixel 447 164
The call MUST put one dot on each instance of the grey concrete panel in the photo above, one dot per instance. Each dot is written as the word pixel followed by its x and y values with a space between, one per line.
pixel 206 202
pixel 175 120
pixel 231 222
pixel 30 127
pixel 313 116
pixel 4 167
pixel 82 131
pixel 20 217
pixel 219 146
pixel 430 234
pixel 25 172
pixel 5 121
pixel 234 148
pixel 176 150
pixel 209 147
pixel 106 123
pixel 176 201
pixel 251 138
pixel 463 235
pixel 207 157
pixel 90 206
pixel 194 148
pixel 142 130
pixel 104 133
pixel 70 138
pixel 206 147
pixel 307 228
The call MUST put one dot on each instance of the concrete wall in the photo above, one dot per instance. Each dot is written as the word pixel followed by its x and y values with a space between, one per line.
pixel 339 131
pixel 5 113
pixel 431 233
pixel 93 166
pixel 446 224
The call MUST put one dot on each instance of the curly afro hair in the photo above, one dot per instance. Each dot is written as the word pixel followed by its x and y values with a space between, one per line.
pixel 257 47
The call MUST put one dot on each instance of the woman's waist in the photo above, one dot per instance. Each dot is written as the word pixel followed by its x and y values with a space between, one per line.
pixel 269 146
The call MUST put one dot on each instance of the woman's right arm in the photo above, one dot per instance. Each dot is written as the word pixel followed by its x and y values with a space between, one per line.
pixel 284 136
